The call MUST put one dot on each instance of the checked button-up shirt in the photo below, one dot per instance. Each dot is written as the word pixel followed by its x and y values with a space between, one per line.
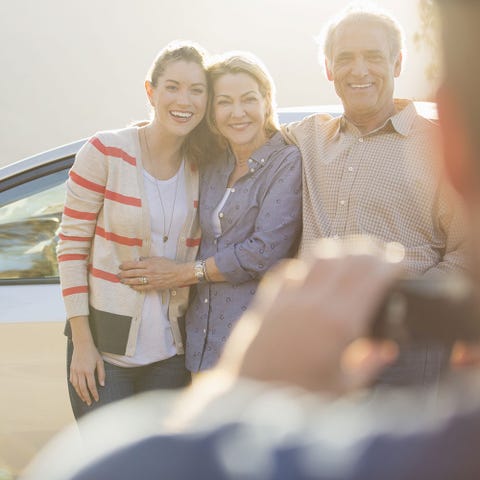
pixel 387 184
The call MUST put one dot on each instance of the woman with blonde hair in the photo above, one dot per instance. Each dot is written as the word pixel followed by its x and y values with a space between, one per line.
pixel 250 209
pixel 133 193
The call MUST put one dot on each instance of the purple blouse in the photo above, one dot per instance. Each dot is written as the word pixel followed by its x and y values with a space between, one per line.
pixel 261 223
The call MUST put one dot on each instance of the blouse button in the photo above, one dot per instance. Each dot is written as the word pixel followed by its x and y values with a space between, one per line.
pixel 232 190
pixel 173 293
pixel 220 215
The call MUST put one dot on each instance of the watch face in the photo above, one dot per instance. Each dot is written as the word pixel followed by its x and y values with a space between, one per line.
pixel 198 271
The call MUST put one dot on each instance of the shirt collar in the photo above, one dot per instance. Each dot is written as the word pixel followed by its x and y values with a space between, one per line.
pixel 401 121
pixel 260 156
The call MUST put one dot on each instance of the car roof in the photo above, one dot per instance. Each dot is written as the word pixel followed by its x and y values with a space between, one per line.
pixel 34 161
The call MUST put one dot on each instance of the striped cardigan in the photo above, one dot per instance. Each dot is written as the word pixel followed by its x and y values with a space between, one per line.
pixel 106 222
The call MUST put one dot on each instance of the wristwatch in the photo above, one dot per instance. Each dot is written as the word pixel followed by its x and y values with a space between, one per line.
pixel 199 270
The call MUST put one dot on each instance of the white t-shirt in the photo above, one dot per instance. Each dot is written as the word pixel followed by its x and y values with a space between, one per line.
pixel 155 340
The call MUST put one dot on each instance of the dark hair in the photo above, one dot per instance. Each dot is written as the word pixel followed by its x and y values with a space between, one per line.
pixel 200 144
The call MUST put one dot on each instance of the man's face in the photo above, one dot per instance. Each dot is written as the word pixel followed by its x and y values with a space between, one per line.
pixel 363 69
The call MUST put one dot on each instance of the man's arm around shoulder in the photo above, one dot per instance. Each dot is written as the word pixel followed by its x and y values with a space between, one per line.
pixel 293 132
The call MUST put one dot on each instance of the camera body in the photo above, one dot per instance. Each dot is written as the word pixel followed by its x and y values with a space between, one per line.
pixel 438 310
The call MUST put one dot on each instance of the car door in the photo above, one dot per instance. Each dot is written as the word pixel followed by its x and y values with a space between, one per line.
pixel 34 400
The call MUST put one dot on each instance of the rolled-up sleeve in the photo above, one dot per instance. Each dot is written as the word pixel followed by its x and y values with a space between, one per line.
pixel 277 226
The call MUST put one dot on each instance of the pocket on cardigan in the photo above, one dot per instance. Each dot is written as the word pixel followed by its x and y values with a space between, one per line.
pixel 109 330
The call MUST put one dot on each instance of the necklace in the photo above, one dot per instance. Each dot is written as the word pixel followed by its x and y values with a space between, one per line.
pixel 166 233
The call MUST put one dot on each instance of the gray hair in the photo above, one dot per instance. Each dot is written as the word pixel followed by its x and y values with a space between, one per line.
pixel 363 13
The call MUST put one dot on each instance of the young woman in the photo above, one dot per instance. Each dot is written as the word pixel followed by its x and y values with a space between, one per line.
pixel 250 210
pixel 133 193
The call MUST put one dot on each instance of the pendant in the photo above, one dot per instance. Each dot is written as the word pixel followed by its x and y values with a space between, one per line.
pixel 165 238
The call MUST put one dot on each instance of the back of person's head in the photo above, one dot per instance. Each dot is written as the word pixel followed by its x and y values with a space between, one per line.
pixel 461 42
pixel 362 13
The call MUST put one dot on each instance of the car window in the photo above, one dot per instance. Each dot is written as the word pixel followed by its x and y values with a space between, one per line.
pixel 30 216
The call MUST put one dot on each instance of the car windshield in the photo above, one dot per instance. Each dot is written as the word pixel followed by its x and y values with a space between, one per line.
pixel 43 203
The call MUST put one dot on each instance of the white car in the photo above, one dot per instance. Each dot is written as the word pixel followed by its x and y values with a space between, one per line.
pixel 34 398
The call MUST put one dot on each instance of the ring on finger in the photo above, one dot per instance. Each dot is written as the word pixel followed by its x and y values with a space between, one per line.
pixel 143 280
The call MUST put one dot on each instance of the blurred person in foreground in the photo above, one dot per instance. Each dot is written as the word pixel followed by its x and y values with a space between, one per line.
pixel 262 414
pixel 375 169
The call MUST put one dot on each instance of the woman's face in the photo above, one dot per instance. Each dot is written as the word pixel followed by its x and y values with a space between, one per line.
pixel 179 99
pixel 239 110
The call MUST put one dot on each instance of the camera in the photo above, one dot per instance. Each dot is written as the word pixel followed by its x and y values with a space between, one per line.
pixel 441 310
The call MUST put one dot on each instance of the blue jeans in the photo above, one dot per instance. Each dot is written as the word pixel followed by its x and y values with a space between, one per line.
pixel 121 382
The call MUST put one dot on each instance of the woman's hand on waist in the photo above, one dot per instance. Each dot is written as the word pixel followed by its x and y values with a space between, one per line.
pixel 156 273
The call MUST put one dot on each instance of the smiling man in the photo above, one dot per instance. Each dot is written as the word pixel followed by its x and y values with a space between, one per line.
pixel 363 56
pixel 374 170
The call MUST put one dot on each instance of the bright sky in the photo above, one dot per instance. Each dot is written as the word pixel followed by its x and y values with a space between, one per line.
pixel 72 68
